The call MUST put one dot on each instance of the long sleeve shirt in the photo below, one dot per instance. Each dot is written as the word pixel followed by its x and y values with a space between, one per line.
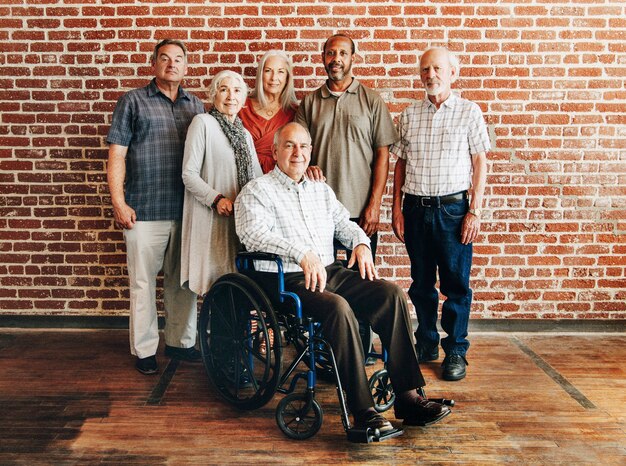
pixel 277 215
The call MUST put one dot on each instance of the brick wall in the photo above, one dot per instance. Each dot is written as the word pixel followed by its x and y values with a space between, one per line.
pixel 549 76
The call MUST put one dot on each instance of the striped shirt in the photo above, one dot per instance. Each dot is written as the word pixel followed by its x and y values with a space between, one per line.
pixel 275 214
pixel 438 145
pixel 154 129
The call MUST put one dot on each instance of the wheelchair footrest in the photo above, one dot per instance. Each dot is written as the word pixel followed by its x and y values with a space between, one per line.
pixel 443 401
pixel 371 435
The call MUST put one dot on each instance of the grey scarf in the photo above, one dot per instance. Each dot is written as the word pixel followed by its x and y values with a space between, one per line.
pixel 237 138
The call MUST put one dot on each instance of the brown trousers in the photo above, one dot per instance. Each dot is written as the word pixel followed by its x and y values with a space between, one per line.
pixel 347 297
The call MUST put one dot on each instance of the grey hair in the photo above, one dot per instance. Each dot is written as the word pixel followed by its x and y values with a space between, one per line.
pixel 452 58
pixel 165 42
pixel 288 96
pixel 217 81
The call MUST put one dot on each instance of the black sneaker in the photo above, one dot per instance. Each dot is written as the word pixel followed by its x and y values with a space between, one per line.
pixel 184 354
pixel 426 354
pixel 453 367
pixel 147 366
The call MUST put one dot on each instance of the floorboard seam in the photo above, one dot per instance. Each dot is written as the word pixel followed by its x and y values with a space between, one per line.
pixel 164 381
pixel 554 375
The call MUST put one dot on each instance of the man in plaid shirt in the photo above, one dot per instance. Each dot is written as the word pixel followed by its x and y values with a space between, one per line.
pixel 441 170
pixel 284 213
pixel 146 142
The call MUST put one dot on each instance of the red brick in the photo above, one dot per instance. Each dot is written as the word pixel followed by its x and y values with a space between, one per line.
pixel 554 172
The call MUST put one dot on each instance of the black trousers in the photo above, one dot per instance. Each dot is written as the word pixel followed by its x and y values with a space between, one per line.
pixel 347 296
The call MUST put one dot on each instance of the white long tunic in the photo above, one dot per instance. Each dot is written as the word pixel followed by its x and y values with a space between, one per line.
pixel 209 242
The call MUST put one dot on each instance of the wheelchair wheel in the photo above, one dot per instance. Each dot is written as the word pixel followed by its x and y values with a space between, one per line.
pixel 382 390
pixel 240 342
pixel 299 416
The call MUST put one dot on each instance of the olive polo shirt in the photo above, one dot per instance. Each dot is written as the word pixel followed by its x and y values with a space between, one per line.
pixel 346 131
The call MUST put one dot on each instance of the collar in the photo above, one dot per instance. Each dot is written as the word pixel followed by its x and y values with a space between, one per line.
pixel 287 182
pixel 352 88
pixel 449 102
pixel 153 90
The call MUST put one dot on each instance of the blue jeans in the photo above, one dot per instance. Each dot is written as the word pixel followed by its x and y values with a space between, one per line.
pixel 433 241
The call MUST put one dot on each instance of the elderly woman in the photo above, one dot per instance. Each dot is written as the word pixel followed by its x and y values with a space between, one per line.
pixel 271 105
pixel 219 160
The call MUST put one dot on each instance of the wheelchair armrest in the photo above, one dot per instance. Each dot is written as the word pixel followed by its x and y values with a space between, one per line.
pixel 261 256
pixel 244 258
pixel 243 262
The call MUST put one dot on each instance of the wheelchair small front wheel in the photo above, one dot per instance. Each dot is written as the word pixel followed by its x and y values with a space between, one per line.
pixel 382 390
pixel 299 416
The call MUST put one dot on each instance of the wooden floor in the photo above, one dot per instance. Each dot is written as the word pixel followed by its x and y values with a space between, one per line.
pixel 74 397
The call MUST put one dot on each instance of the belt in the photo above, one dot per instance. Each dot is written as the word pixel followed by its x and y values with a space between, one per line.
pixel 436 201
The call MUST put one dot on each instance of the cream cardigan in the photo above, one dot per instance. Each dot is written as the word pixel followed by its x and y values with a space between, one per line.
pixel 209 241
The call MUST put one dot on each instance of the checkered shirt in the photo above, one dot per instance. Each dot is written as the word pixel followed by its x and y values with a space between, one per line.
pixel 438 145
pixel 154 129
pixel 274 214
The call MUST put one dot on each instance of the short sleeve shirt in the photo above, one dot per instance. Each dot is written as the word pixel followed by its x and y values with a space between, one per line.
pixel 154 129
pixel 346 131
pixel 438 145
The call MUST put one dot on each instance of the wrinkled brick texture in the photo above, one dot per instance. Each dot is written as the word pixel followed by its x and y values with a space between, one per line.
pixel 549 76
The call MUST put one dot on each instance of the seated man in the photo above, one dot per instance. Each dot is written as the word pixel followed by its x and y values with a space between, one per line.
pixel 285 214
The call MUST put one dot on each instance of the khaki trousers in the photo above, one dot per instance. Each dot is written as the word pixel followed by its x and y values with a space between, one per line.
pixel 150 248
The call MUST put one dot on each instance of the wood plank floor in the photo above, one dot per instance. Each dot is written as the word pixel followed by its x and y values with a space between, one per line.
pixel 74 397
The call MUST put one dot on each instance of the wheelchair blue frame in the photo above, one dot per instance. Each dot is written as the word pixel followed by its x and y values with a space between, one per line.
pixel 315 344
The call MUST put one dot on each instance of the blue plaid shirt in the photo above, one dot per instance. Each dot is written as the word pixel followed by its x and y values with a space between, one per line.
pixel 154 129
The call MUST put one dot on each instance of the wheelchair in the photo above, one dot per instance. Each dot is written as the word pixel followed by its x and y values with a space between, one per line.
pixel 241 340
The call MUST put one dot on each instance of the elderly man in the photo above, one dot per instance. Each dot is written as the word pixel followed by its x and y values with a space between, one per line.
pixel 146 143
pixel 285 214
pixel 441 170
pixel 351 129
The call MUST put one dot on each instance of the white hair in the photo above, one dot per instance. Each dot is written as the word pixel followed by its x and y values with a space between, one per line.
pixel 217 80
pixel 452 58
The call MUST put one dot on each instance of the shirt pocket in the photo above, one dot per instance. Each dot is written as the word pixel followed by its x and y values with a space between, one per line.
pixel 455 139
pixel 357 127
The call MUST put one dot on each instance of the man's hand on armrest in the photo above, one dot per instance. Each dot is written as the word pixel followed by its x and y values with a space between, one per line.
pixel 362 255
pixel 314 272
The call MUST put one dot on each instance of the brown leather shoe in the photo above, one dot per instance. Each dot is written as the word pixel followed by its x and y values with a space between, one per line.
pixel 373 420
pixel 422 412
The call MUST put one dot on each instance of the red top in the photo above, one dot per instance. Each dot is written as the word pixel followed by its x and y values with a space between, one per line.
pixel 263 130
